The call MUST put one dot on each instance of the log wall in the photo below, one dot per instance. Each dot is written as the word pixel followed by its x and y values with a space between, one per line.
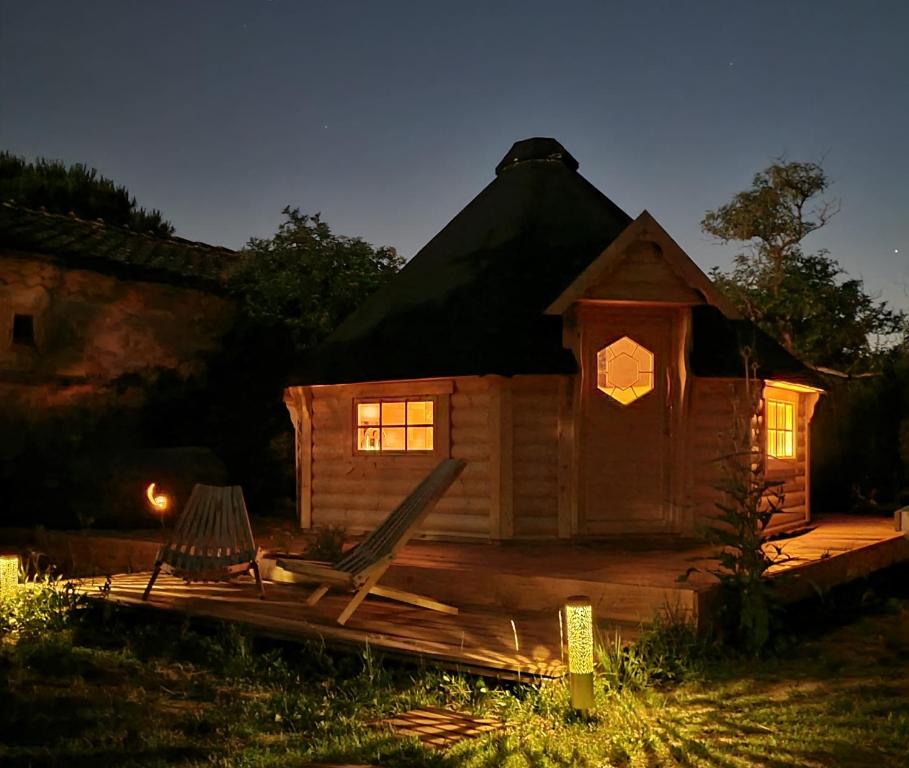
pixel 508 430
pixel 710 437
pixel 358 491
pixel 535 402
pixel 714 404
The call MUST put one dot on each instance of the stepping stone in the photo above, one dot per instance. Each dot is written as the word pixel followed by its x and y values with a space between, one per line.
pixel 338 765
pixel 440 728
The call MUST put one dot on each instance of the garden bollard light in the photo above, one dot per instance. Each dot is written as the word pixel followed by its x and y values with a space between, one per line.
pixel 579 628
pixel 9 575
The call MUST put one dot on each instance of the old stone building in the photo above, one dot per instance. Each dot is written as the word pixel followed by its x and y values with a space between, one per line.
pixel 93 318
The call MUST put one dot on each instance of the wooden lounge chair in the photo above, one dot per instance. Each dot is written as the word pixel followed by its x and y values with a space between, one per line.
pixel 212 540
pixel 362 567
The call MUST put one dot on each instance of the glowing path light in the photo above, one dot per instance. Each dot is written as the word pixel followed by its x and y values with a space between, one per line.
pixel 159 501
pixel 579 628
pixel 9 575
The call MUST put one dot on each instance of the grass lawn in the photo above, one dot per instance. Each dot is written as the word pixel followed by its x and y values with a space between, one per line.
pixel 104 686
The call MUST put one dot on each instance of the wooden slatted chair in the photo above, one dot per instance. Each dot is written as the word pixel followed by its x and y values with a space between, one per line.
pixel 212 540
pixel 362 567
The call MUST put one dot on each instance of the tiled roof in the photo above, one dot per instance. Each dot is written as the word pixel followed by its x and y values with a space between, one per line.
pixel 108 248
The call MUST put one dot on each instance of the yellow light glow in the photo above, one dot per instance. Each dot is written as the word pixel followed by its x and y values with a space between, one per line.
pixel 625 370
pixel 419 438
pixel 396 426
pixel 368 439
pixel 419 412
pixel 579 631
pixel 9 575
pixel 780 429
pixel 367 414
pixel 394 413
pixel 393 439
pixel 159 501
pixel 579 622
pixel 792 387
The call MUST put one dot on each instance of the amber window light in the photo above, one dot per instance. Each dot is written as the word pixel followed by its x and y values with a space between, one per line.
pixel 780 424
pixel 625 370
pixel 396 426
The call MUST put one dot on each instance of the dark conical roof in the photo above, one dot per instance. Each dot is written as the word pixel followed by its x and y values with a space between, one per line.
pixel 472 300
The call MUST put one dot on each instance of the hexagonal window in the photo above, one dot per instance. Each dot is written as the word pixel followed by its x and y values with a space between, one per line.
pixel 625 370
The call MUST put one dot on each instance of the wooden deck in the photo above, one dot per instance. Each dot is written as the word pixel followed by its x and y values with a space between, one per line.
pixel 525 583
pixel 474 640
pixel 837 550
pixel 630 582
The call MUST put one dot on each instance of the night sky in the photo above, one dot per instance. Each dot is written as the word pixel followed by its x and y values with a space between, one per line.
pixel 388 117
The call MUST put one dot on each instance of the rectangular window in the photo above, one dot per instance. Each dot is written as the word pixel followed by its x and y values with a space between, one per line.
pixel 780 423
pixel 395 425
pixel 24 330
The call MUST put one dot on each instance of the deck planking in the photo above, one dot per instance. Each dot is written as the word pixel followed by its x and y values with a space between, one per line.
pixel 523 582
pixel 474 640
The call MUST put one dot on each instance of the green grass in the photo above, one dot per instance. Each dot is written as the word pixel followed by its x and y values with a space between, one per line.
pixel 103 686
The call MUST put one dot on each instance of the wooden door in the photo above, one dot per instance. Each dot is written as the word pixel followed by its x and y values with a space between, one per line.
pixel 625 452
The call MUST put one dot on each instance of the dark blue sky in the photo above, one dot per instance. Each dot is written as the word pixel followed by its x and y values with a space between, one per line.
pixel 390 116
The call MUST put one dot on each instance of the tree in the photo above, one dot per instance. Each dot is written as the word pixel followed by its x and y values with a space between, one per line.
pixel 77 189
pixel 292 290
pixel 798 297
pixel 306 279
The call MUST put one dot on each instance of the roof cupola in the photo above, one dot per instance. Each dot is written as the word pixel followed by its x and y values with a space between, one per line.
pixel 539 148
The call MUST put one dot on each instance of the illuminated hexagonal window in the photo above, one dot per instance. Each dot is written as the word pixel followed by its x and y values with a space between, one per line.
pixel 625 370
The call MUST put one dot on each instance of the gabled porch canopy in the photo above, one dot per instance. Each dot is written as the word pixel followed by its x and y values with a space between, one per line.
pixel 719 333
pixel 594 281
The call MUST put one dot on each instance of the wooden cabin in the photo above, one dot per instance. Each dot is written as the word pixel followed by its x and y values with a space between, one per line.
pixel 578 359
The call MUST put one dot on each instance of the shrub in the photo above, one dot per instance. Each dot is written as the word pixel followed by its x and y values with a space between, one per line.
pixel 39 610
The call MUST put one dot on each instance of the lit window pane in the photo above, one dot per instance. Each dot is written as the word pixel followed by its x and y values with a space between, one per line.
pixel 625 370
pixel 419 438
pixel 419 412
pixel 393 413
pixel 367 414
pixel 393 438
pixel 780 429
pixel 368 439
pixel 395 425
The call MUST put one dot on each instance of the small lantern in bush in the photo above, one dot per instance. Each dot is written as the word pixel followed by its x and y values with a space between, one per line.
pixel 9 575
pixel 579 629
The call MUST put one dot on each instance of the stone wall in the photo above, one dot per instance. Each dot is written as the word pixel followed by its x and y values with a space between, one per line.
pixel 87 361
pixel 91 326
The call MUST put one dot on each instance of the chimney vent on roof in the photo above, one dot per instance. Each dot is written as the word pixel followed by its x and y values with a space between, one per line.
pixel 537 148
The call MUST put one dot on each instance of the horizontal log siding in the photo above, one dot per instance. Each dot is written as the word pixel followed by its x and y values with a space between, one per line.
pixel 358 492
pixel 710 436
pixel 535 400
